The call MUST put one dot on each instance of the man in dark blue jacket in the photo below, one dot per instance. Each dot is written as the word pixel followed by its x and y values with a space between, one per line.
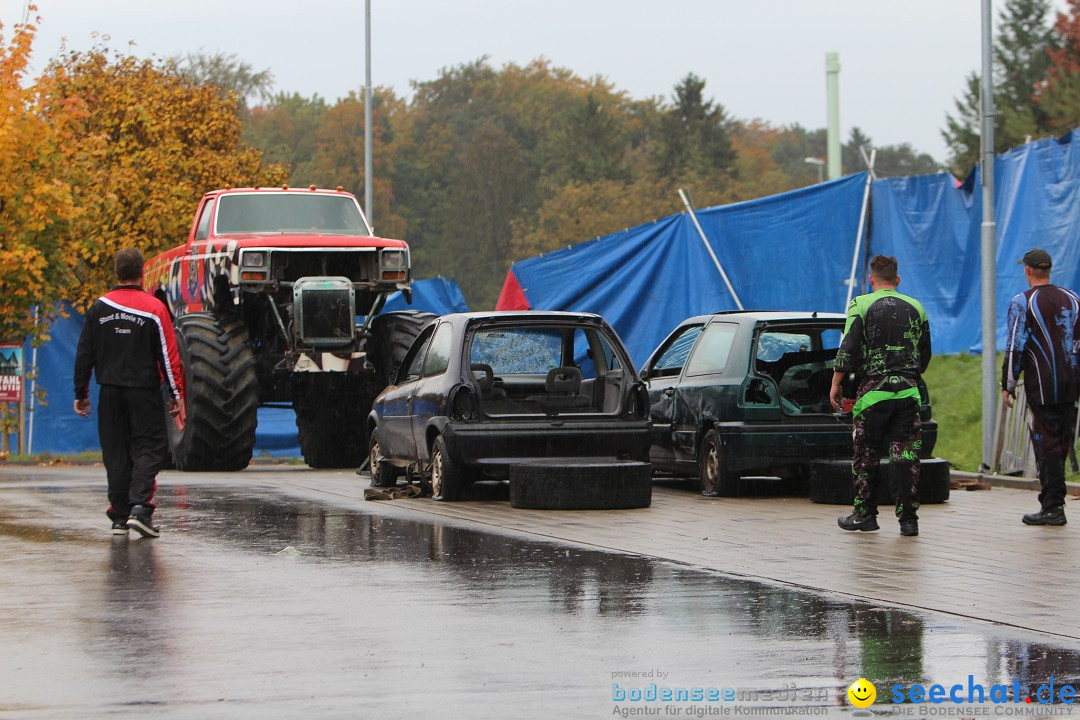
pixel 1042 344
pixel 128 342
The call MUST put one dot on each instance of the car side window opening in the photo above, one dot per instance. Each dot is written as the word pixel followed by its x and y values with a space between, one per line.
pixel 532 371
pixel 438 354
pixel 203 230
pixel 712 351
pixel 413 362
pixel 673 357
pixel 593 354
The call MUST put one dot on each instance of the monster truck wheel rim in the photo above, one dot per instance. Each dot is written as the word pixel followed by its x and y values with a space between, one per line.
pixel 436 473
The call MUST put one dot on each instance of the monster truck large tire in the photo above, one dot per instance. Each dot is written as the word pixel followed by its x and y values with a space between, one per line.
pixel 222 395
pixel 392 334
pixel 330 414
pixel 831 483
pixel 580 484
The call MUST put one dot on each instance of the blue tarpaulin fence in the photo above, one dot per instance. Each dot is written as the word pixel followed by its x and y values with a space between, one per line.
pixel 788 252
pixel 57 429
pixel 785 252
pixel 793 251
pixel 933 228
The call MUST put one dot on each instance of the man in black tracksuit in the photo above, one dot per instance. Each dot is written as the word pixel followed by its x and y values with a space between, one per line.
pixel 128 342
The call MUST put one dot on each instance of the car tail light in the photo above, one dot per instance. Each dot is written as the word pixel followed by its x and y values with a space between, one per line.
pixel 463 404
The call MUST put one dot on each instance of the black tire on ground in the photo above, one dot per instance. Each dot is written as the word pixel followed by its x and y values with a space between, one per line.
pixel 577 484
pixel 222 395
pixel 714 478
pixel 447 481
pixel 392 334
pixel 383 474
pixel 330 417
pixel 831 483
pixel 934 479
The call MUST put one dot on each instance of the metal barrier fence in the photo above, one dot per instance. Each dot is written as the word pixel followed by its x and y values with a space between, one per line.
pixel 1012 452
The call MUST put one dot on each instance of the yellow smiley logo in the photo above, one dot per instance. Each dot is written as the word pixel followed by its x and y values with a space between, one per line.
pixel 862 693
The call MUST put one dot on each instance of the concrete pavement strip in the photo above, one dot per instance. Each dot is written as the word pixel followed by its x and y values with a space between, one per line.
pixel 973 559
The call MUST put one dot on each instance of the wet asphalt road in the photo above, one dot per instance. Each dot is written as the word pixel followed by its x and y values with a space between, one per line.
pixel 259 604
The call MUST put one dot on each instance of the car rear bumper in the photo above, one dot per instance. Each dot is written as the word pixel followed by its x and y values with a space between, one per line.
pixel 506 443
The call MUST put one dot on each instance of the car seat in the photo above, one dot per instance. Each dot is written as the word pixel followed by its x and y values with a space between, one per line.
pixel 561 388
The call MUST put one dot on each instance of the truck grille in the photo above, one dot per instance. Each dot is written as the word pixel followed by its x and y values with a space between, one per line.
pixel 357 266
pixel 326 311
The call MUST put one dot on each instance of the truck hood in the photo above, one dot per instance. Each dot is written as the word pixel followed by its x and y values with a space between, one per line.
pixel 308 241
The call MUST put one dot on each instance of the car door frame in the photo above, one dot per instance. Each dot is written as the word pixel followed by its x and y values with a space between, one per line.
pixel 395 431
pixel 700 397
pixel 429 394
pixel 662 397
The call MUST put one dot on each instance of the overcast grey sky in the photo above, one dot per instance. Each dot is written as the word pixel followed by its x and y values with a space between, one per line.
pixel 902 62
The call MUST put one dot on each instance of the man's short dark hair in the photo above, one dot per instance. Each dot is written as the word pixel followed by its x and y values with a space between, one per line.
pixel 883 267
pixel 129 265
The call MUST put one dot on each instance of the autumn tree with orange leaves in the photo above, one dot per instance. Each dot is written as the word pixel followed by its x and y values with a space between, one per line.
pixel 146 146
pixel 1060 95
pixel 37 203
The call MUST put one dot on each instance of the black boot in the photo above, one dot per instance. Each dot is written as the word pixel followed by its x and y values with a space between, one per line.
pixel 1052 516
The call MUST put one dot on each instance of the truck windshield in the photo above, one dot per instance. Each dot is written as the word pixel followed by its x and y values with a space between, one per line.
pixel 289 213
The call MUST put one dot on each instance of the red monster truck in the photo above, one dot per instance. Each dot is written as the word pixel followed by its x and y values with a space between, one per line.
pixel 265 295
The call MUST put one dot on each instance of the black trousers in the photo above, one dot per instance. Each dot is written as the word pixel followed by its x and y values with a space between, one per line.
pixel 1052 428
pixel 892 427
pixel 131 427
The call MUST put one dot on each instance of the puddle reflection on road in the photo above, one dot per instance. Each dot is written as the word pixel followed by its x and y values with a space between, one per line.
pixel 257 605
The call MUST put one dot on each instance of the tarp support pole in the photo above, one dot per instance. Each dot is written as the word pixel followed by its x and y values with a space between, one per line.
pixel 31 402
pixel 862 226
pixel 33 394
pixel 705 240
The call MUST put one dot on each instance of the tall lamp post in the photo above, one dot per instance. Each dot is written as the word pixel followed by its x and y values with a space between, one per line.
pixel 367 116
pixel 820 167
pixel 988 234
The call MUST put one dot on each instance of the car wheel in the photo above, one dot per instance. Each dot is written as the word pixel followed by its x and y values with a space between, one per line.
pixel 383 474
pixel 716 479
pixel 446 480
pixel 568 484
pixel 831 483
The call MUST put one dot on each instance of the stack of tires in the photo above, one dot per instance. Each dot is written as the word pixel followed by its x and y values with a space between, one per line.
pixel 831 482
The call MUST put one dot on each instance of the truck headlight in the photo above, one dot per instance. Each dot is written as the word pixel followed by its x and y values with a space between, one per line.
pixel 394 260
pixel 253 259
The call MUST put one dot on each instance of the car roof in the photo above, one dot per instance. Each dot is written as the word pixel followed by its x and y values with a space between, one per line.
pixel 528 315
pixel 281 190
pixel 765 316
